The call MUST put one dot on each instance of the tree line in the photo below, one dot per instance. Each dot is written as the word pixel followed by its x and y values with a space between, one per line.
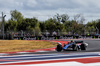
pixel 60 23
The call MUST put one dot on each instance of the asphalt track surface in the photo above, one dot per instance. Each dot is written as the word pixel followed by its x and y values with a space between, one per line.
pixel 93 46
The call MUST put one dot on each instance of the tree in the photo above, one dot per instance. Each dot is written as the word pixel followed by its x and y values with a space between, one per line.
pixel 0 26
pixel 42 26
pixel 11 26
pixel 63 30
pixel 16 16
pixel 50 25
pixel 58 22
pixel 64 18
pixel 76 17
pixel 29 29
pixel 82 19
pixel 79 18
pixel 27 22
pixel 98 25
pixel 74 26
pixel 37 30
pixel 68 25
pixel 61 18
pixel 58 18
pixel 91 27
pixel 22 25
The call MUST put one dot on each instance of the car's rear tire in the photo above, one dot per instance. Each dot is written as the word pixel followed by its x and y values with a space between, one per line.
pixel 75 48
pixel 83 47
pixel 59 48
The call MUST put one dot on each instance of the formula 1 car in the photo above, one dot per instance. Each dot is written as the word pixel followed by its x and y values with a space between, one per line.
pixel 75 45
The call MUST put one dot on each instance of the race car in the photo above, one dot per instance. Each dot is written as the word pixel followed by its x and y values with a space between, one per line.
pixel 73 45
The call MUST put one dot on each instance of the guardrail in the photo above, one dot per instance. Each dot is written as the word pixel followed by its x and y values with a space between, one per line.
pixel 55 37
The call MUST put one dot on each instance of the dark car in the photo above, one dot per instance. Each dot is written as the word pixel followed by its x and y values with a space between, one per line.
pixel 76 45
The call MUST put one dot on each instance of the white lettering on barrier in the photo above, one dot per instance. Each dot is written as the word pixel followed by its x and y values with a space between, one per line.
pixel 15 38
pixel 29 38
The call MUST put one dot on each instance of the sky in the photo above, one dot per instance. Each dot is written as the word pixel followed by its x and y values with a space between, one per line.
pixel 45 9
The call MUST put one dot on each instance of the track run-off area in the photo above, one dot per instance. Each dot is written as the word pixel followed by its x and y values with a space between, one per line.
pixel 91 56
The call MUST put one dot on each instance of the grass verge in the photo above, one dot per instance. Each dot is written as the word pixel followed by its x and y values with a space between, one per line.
pixel 24 45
